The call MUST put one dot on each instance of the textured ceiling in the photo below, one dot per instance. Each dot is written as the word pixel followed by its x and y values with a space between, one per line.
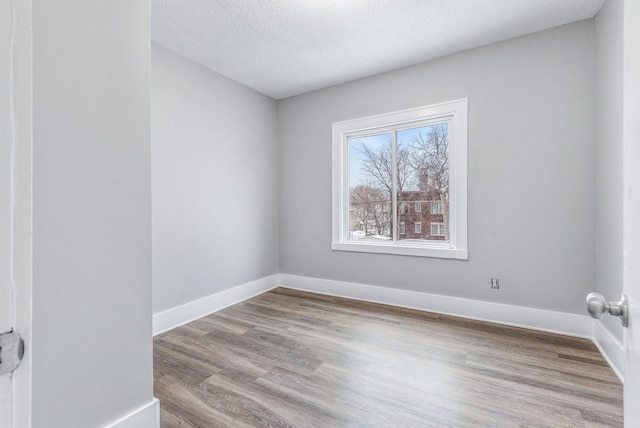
pixel 286 47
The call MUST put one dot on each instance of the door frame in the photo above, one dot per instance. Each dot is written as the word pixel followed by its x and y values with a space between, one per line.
pixel 22 202
pixel 631 205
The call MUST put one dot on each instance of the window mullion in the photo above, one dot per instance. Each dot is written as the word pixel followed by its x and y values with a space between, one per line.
pixel 346 189
pixel 394 180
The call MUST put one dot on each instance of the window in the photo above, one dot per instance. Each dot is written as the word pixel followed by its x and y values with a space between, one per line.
pixel 436 207
pixel 437 229
pixel 383 163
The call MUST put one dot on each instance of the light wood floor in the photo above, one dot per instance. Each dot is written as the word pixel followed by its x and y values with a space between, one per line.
pixel 288 358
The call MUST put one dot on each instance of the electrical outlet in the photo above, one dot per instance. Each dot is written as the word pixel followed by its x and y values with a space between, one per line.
pixel 495 284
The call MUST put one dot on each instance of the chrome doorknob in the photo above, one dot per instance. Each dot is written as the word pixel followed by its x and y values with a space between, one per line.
pixel 597 306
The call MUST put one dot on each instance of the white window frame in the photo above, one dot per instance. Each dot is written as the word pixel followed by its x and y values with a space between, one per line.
pixel 417 227
pixel 439 204
pixel 455 113
pixel 440 225
pixel 418 207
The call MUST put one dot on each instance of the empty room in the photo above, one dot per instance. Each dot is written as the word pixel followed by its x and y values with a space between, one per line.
pixel 320 213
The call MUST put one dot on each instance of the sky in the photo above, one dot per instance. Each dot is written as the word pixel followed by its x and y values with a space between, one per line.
pixel 356 157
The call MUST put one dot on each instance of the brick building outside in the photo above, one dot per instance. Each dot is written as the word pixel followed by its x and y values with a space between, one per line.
pixel 421 216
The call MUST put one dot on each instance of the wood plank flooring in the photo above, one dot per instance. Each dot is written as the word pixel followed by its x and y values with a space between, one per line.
pixel 293 359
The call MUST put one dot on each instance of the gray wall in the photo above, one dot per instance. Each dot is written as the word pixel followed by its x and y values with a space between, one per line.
pixel 214 172
pixel 609 63
pixel 531 172
pixel 92 348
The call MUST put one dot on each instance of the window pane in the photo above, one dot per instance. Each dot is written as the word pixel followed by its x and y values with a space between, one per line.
pixel 423 175
pixel 437 229
pixel 370 185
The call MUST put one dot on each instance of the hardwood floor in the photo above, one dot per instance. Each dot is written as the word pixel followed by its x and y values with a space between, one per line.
pixel 293 359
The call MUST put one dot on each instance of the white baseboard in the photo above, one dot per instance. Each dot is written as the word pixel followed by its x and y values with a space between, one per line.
pixel 610 348
pixel 517 316
pixel 147 416
pixel 180 315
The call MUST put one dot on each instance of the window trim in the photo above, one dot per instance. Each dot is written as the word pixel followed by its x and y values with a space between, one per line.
pixel 417 225
pixel 417 207
pixel 456 113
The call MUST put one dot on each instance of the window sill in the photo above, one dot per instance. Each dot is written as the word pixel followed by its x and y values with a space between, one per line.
pixel 436 251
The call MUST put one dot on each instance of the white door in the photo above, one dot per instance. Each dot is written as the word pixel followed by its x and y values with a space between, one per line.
pixel 15 202
pixel 631 216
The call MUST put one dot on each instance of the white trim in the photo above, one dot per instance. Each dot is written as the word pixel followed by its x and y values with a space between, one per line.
pixel 516 316
pixel 21 110
pixel 456 113
pixel 190 311
pixel 395 209
pixel 610 348
pixel 442 251
pixel 631 205
pixel 147 416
